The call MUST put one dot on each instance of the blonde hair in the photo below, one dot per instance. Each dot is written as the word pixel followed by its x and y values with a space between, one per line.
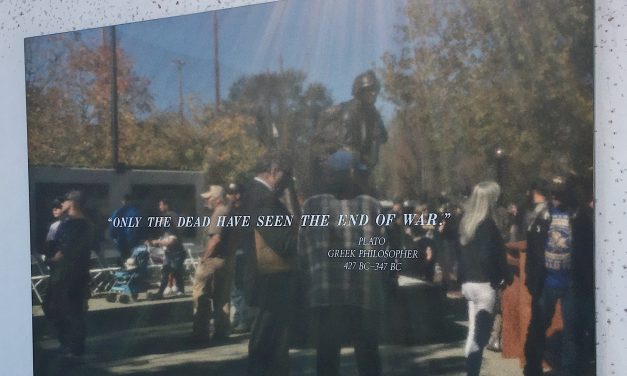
pixel 480 205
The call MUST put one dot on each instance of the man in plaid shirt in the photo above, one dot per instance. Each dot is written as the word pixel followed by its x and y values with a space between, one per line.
pixel 344 301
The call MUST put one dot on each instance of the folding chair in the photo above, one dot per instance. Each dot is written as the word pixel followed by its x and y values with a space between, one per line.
pixel 39 275
pixel 191 262
pixel 102 278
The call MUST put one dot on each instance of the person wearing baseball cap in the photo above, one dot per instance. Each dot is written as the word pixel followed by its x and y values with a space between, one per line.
pixel 242 318
pixel 549 269
pixel 233 188
pixel 51 237
pixel 212 279
pixel 234 194
pixel 214 191
pixel 68 288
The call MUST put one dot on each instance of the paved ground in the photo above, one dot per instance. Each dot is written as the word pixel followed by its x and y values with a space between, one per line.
pixel 152 338
pixel 166 350
pixel 163 348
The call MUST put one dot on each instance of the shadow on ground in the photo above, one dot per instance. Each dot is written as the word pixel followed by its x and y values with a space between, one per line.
pixel 151 358
pixel 167 350
pixel 417 339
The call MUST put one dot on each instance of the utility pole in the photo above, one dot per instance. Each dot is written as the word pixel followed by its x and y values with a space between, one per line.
pixel 216 61
pixel 114 101
pixel 179 65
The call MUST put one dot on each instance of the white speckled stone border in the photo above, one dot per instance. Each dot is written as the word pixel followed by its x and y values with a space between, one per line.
pixel 611 186
pixel 24 18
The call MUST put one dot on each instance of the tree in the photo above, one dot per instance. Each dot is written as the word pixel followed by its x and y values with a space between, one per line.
pixel 68 100
pixel 473 77
pixel 285 110
pixel 230 153
pixel 68 94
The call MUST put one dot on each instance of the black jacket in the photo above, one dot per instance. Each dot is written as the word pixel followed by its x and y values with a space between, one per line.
pixel 75 243
pixel 484 259
pixel 537 232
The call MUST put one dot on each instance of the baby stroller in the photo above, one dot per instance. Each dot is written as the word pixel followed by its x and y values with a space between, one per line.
pixel 133 279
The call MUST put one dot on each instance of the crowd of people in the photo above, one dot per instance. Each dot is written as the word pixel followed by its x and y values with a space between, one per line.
pixel 265 273
pixel 470 251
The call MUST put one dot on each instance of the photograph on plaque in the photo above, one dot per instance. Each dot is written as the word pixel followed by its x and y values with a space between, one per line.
pixel 316 188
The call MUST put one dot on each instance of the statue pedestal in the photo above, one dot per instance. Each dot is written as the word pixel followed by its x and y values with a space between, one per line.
pixel 416 314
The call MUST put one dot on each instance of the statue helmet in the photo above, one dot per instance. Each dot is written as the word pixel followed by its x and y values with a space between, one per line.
pixel 366 80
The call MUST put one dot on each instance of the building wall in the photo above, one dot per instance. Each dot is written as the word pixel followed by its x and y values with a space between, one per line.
pixel 111 188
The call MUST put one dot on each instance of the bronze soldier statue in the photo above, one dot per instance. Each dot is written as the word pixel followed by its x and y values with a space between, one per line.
pixel 354 126
pixel 362 122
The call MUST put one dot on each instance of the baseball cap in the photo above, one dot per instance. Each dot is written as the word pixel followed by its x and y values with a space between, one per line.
pixel 541 186
pixel 130 264
pixel 232 189
pixel 344 160
pixel 56 203
pixel 74 195
pixel 214 191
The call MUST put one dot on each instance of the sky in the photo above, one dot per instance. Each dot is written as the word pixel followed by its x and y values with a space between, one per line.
pixel 332 41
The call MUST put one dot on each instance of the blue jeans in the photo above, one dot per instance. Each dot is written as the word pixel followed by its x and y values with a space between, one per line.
pixel 238 303
pixel 542 310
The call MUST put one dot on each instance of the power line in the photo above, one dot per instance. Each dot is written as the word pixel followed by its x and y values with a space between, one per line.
pixel 216 61
pixel 179 65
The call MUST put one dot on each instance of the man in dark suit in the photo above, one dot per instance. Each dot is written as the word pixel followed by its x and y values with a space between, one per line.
pixel 271 279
